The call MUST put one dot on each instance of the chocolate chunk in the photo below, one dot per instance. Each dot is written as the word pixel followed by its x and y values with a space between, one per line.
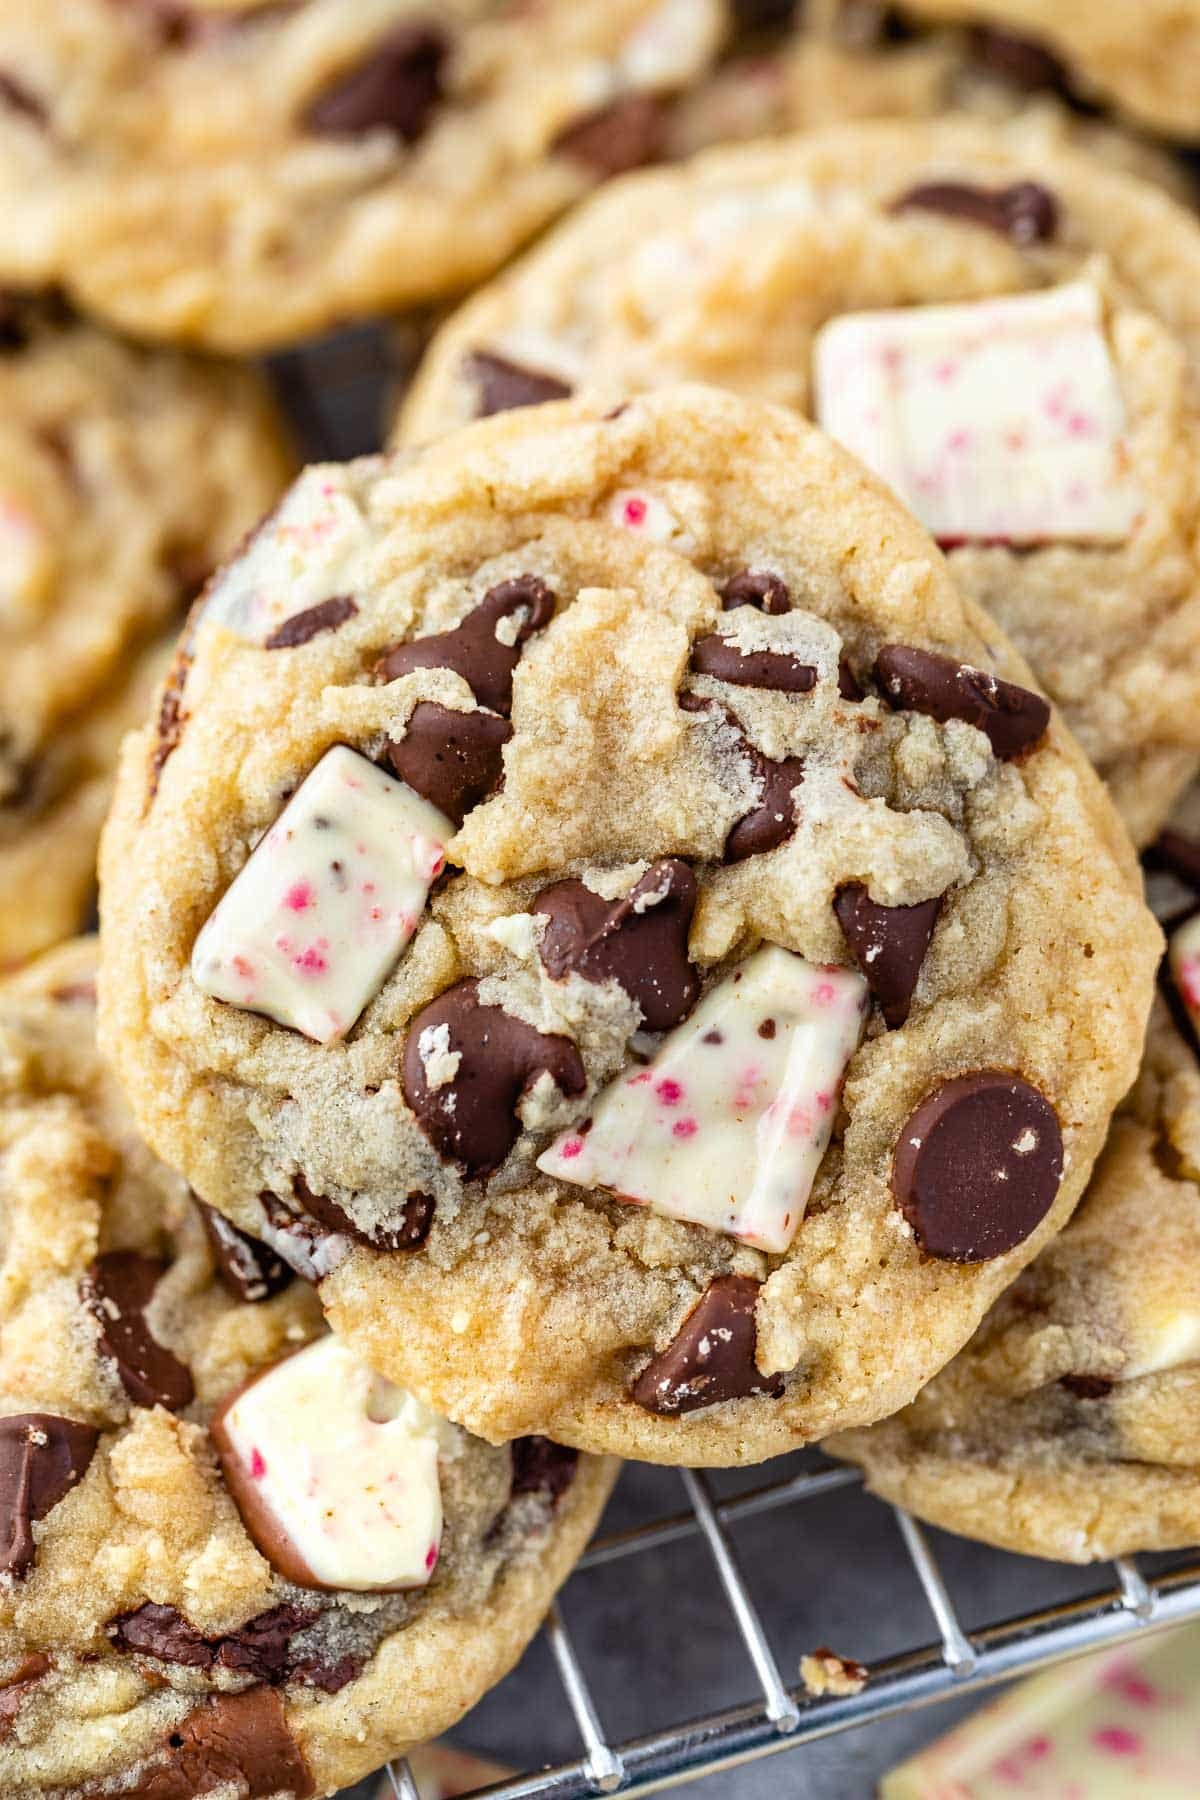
pixel 848 685
pixel 1011 718
pixel 452 759
pixel 302 627
pixel 471 1119
pixel 542 1467
pixel 21 99
pixel 756 587
pixel 262 1646
pixel 409 1233
pixel 117 1289
pixel 1020 60
pixel 889 945
pixel 1173 853
pixel 1026 212
pixel 977 1166
pixel 28 1672
pixel 711 1356
pixel 640 942
pixel 626 134
pixel 237 1742
pixel 473 650
pixel 720 656
pixel 307 1247
pixel 764 15
pixel 394 88
pixel 503 385
pixel 259 1648
pixel 330 1677
pixel 163 1632
pixel 42 1457
pixel 1086 1387
pixel 249 1269
pixel 773 820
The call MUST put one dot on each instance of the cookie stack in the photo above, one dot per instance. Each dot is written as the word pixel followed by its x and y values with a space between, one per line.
pixel 620 925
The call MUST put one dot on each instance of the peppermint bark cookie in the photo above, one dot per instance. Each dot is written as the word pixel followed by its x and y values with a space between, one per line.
pixel 1006 331
pixel 1067 1427
pixel 232 1559
pixel 239 177
pixel 591 843
pixel 125 476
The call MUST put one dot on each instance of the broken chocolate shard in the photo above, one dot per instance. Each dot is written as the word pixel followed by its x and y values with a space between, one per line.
pixel 408 1232
pixel 1012 718
pixel 249 1269
pixel 640 942
pixel 542 1467
pixel 117 1289
pixel 889 945
pixel 711 1356
pixel 42 1457
pixel 626 134
pixel 475 649
pixel 503 385
pixel 394 87
pixel 756 587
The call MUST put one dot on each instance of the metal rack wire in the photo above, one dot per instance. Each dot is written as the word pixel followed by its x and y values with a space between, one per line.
pixel 955 1661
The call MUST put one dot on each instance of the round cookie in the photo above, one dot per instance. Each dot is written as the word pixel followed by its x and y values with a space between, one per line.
pixel 789 271
pixel 125 476
pixel 149 1644
pixel 1067 1427
pixel 697 689
pixel 240 177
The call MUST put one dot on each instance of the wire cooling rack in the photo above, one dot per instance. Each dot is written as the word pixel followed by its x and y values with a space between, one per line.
pixel 336 393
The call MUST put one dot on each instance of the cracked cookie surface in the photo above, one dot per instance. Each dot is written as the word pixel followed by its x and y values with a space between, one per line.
pixel 729 683
pixel 149 1642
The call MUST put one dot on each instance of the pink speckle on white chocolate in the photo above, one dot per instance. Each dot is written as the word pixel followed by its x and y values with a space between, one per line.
pixel 258 1464
pixel 300 896
pixel 634 513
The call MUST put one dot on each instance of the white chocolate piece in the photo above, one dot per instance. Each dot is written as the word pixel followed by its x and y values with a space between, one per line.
pixel 313 924
pixel 726 1127
pixel 1167 1339
pixel 342 1467
pixel 1183 954
pixel 996 421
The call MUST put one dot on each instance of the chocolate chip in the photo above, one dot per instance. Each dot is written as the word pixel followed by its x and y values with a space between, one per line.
pixel 394 88
pixel 1174 853
pixel 641 942
pixel 42 1456
pixel 756 587
pixel 471 1119
pixel 302 627
pixel 453 759
pixel 1011 718
pixel 1026 212
pixel 626 134
pixel 409 1233
pixel 1086 1387
pixel 239 1743
pixel 1020 60
pixel 720 656
pixel 773 820
pixel 889 945
pixel 542 1467
pixel 117 1289
pixel 473 649
pixel 13 1695
pixel 711 1356
pixel 977 1166
pixel 249 1269
pixel 503 385
pixel 848 685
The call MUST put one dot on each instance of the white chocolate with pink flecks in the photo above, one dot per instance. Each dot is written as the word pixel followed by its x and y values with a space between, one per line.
pixel 346 1464
pixel 1183 957
pixel 995 421
pixel 313 924
pixel 727 1125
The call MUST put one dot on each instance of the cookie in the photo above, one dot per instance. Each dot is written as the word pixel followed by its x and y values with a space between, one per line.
pixel 1067 1427
pixel 179 1610
pixel 125 475
pixel 790 271
pixel 602 807
pixel 243 176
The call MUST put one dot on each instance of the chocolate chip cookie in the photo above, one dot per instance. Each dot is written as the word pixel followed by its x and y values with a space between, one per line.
pixel 239 176
pixel 1006 331
pixel 232 1558
pixel 125 475
pixel 1067 1427
pixel 582 856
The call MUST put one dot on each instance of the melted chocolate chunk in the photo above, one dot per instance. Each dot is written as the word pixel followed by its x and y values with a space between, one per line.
pixel 117 1289
pixel 471 1119
pixel 542 1467
pixel 977 1166
pixel 42 1457
pixel 1019 60
pixel 641 942
pixel 1086 1387
pixel 394 88
pixel 29 1671
pixel 238 1742
pixel 452 759
pixel 626 134
pixel 889 945
pixel 719 656
pixel 1012 719
pixel 1025 212
pixel 260 1647
pixel 711 1356
pixel 302 627
pixel 409 1233
pixel 503 385
pixel 773 820
pixel 249 1269
pixel 473 650
pixel 756 587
